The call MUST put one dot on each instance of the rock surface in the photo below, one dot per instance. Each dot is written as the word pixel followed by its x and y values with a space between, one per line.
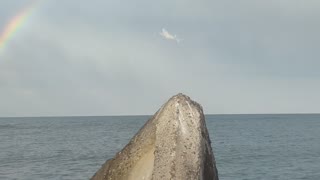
pixel 173 144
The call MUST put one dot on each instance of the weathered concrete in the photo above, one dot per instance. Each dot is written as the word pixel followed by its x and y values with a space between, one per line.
pixel 173 144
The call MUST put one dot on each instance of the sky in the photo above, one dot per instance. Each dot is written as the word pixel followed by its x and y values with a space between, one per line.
pixel 83 58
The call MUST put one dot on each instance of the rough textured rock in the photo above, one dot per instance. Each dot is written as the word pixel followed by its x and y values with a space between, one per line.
pixel 173 144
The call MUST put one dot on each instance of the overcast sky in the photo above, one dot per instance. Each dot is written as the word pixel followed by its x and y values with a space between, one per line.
pixel 96 57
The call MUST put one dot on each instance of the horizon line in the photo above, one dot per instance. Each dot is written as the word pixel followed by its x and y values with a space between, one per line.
pixel 208 114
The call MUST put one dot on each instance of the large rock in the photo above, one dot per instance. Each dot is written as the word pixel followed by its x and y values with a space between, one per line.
pixel 173 144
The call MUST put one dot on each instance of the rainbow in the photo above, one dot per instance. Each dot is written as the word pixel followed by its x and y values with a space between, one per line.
pixel 14 25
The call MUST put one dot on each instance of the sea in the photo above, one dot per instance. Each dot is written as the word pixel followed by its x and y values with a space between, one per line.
pixel 246 147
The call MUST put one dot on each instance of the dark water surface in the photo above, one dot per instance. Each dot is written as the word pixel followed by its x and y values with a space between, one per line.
pixel 246 147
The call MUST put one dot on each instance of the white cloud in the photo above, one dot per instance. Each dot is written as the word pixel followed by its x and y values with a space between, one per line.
pixel 169 36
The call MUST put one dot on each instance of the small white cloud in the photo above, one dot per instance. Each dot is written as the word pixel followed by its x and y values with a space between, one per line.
pixel 165 34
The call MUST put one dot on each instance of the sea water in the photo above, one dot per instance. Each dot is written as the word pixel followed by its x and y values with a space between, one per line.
pixel 246 147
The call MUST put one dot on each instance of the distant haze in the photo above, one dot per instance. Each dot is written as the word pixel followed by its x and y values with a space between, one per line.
pixel 96 57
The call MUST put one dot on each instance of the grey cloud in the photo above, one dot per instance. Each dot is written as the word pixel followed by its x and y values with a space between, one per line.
pixel 106 57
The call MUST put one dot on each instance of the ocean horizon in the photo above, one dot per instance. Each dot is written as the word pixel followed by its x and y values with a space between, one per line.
pixel 246 146
pixel 124 115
